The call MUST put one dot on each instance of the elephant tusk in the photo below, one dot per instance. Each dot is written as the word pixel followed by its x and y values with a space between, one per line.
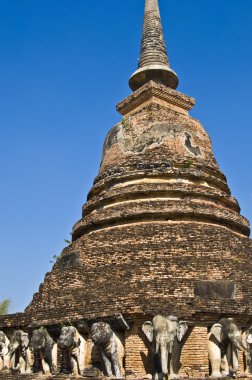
pixel 240 347
pixel 245 348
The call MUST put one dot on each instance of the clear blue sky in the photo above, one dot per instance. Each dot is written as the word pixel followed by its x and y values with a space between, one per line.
pixel 64 64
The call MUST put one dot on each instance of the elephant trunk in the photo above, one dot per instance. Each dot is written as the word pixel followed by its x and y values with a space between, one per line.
pixel 242 347
pixel 237 342
pixel 164 359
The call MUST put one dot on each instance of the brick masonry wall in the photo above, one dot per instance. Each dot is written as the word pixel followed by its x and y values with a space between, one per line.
pixel 152 269
pixel 194 357
pixel 159 218
pixel 137 361
pixel 147 268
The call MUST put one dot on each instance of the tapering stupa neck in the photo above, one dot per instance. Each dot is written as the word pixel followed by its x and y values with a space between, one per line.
pixel 153 49
pixel 153 63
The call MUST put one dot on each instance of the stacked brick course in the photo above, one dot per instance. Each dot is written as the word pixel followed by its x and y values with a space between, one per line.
pixel 159 221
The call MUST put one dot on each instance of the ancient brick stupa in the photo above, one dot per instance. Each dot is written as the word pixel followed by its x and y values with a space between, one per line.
pixel 160 233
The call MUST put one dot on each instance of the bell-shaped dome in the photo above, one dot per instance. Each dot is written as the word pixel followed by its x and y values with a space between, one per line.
pixel 158 165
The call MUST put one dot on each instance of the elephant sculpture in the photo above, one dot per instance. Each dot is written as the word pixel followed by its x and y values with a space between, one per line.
pixel 165 335
pixel 74 344
pixel 247 342
pixel 224 342
pixel 4 352
pixel 110 347
pixel 20 354
pixel 43 344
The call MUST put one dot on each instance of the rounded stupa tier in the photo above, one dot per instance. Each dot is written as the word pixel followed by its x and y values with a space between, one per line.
pixel 158 165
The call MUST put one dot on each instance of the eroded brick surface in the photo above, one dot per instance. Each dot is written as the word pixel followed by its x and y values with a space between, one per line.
pixel 158 222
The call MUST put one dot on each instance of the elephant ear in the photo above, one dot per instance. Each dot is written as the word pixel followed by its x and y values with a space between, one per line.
pixel 76 337
pixel 148 330
pixel 216 330
pixel 182 329
pixel 249 338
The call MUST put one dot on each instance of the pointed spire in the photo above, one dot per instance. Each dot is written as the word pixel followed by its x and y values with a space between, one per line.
pixel 153 63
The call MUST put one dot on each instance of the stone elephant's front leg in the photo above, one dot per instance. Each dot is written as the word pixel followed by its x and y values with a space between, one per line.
pixel 224 366
pixel 1 363
pixel 45 365
pixel 54 354
pixel 107 364
pixel 173 371
pixel 232 361
pixel 74 366
pixel 175 360
pixel 6 362
pixel 80 358
pixel 157 371
pixel 28 361
pixel 22 365
pixel 74 361
pixel 51 358
pixel 116 365
pixel 214 353
pixel 117 354
pixel 248 360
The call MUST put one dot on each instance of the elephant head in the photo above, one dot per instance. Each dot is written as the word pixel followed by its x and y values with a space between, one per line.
pixel 74 344
pixel 19 342
pixel 38 340
pixel 162 332
pixel 101 333
pixel 226 331
pixel 69 338
pixel 41 340
pixel 110 347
